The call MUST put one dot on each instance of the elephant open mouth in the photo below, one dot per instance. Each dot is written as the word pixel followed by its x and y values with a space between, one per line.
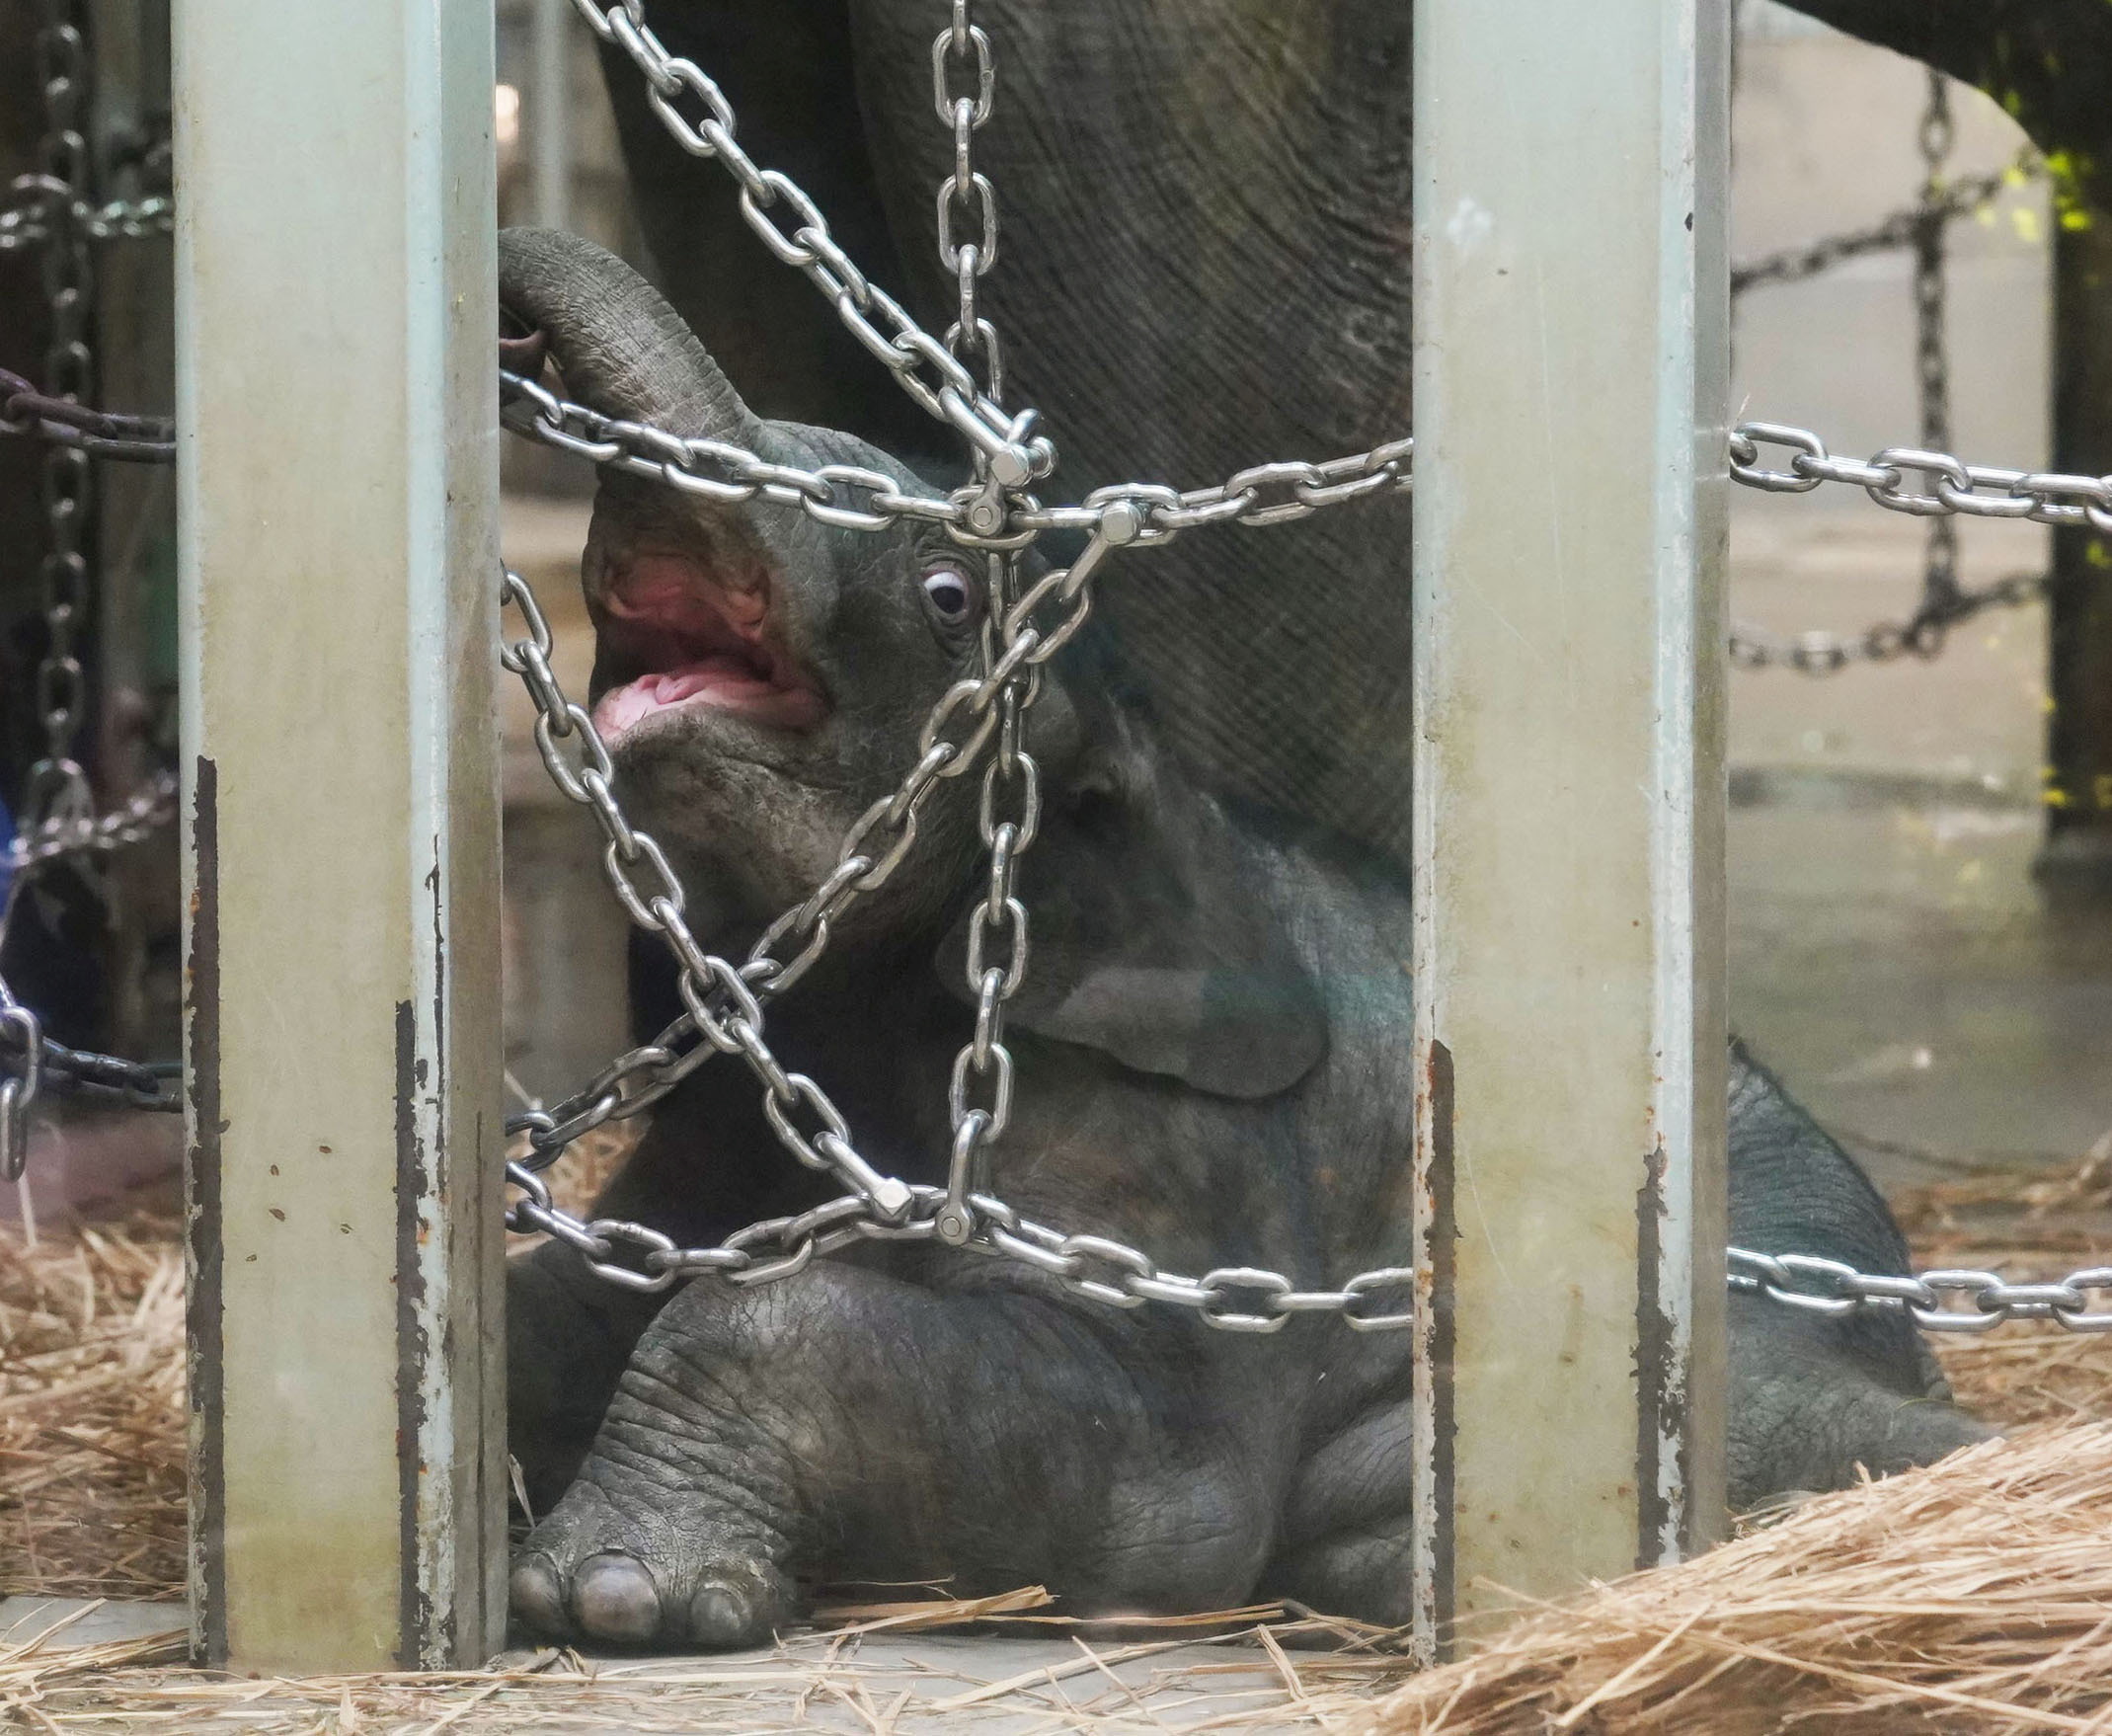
pixel 678 635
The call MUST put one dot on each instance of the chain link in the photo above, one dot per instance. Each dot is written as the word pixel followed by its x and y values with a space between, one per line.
pixel 922 365
pixel 20 1036
pixel 29 222
pixel 141 815
pixel 1979 1302
pixel 56 211
pixel 57 784
pixel 846 497
pixel 1893 233
pixel 964 47
pixel 64 422
pixel 1932 370
pixel 978 716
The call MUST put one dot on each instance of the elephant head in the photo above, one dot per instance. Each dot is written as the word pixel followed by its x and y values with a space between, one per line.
pixel 760 678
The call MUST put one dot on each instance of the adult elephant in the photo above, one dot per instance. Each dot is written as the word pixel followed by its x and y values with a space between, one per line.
pixel 1204 264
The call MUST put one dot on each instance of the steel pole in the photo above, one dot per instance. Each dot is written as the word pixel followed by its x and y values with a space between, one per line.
pixel 338 502
pixel 1570 390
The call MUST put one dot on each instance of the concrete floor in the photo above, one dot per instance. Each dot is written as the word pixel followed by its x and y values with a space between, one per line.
pixel 947 1683
pixel 1891 953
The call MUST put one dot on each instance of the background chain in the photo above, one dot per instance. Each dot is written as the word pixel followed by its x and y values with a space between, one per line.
pixel 56 783
pixel 28 224
pixel 1933 375
pixel 1890 233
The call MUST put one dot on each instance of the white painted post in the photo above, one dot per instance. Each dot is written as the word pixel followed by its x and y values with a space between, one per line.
pixel 1570 385
pixel 338 494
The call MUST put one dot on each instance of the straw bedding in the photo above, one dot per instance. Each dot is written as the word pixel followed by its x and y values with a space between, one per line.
pixel 1976 1595
pixel 92 1410
pixel 1973 1596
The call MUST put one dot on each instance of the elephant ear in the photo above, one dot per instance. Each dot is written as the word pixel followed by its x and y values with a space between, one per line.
pixel 1152 941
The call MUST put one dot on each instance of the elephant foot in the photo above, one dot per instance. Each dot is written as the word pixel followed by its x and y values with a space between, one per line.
pixel 595 1570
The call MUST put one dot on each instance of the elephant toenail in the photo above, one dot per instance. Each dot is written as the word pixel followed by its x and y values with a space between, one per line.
pixel 537 1597
pixel 720 1616
pixel 615 1599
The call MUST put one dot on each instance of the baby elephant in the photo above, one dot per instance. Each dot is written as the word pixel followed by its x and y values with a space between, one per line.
pixel 1212 1065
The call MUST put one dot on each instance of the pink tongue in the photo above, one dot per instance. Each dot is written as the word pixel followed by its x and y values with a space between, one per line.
pixel 713 675
pixel 729 680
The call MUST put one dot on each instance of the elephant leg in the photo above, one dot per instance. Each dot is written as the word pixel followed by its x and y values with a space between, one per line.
pixel 848 1424
pixel 1349 1522
pixel 1805 1411
pixel 567 1339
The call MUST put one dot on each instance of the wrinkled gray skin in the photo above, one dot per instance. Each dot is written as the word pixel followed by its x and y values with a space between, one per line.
pixel 1212 1065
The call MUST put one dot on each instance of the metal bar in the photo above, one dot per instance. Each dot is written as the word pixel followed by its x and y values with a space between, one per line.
pixel 338 493
pixel 1570 386
pixel 549 112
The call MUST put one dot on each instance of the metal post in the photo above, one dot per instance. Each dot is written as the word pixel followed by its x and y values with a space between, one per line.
pixel 338 491
pixel 549 112
pixel 1570 386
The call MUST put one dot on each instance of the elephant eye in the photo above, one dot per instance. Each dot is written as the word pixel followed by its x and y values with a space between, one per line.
pixel 950 595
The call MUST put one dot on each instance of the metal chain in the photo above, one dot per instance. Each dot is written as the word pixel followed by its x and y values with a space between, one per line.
pixel 1010 780
pixel 55 210
pixel 29 223
pixel 921 364
pixel 724 1003
pixel 964 43
pixel 846 497
pixel 141 815
pixel 1984 1299
pixel 23 1034
pixel 57 786
pixel 1954 488
pixel 1932 370
pixel 1891 233
pixel 33 1065
pixel 1818 652
pixel 1977 491
pixel 725 1009
pixel 64 422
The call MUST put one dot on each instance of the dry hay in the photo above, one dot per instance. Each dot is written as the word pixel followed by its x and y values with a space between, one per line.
pixel 1245 1677
pixel 1973 1596
pixel 2021 1228
pixel 92 1410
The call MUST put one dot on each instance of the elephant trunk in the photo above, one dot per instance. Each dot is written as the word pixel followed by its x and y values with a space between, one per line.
pixel 617 344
